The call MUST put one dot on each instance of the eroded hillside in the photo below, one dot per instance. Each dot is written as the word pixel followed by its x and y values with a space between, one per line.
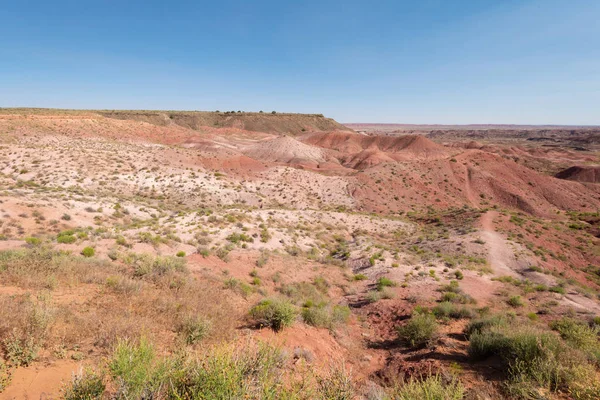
pixel 338 264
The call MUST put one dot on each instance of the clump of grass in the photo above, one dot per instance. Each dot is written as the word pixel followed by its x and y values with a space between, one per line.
pixel 449 310
pixel 180 254
pixel 515 301
pixel 274 313
pixel 384 282
pixel 430 388
pixel 420 330
pixel 359 277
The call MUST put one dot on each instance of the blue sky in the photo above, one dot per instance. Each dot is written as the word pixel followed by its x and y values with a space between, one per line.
pixel 428 61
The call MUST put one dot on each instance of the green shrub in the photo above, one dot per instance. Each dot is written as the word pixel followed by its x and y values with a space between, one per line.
pixel 483 324
pixel 180 254
pixel 449 310
pixel 431 388
pixel 136 370
pixel 515 301
pixel 557 289
pixel 240 237
pixel 67 239
pixel 579 334
pixel 384 282
pixel 274 313
pixel 88 252
pixel 420 330
pixel 33 241
pixel 325 316
pixel 85 385
pixel 535 359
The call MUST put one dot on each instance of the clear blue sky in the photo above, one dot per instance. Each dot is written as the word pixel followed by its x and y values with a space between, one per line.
pixel 420 61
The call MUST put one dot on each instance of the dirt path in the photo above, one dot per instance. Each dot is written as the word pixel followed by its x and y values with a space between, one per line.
pixel 500 255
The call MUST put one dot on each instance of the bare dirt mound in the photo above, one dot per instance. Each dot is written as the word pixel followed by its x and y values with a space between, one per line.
pixel 473 177
pixel 285 150
pixel 348 142
pixel 589 174
pixel 366 159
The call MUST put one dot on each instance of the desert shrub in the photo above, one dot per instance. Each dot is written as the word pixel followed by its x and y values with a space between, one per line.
pixel 67 239
pixel 66 217
pixel 33 241
pixel 336 385
pixel 85 385
pixel 301 293
pixel 5 376
pixel 21 350
pixel 535 359
pixel 373 297
pixel 194 329
pixel 180 254
pixel 136 370
pixel 449 310
pixel 146 264
pixel 384 282
pixel 229 373
pixel 430 388
pixel 483 324
pixel 557 289
pixel 88 252
pixel 223 253
pixel 262 260
pixel 274 313
pixel 28 331
pixel 325 316
pixel 580 335
pixel 124 285
pixel 240 237
pixel 515 301
pixel 420 330
pixel 359 277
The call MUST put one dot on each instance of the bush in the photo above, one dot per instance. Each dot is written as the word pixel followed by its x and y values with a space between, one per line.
pixel 274 313
pixel 85 385
pixel 325 316
pixel 135 368
pixel 515 301
pixel 88 252
pixel 420 330
pixel 66 217
pixel 535 359
pixel 431 388
pixel 194 329
pixel 33 241
pixel 384 282
pixel 359 277
pixel 180 254
pixel 579 334
pixel 449 310
pixel 67 239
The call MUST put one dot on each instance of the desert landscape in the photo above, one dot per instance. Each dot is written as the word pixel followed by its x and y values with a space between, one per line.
pixel 266 255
